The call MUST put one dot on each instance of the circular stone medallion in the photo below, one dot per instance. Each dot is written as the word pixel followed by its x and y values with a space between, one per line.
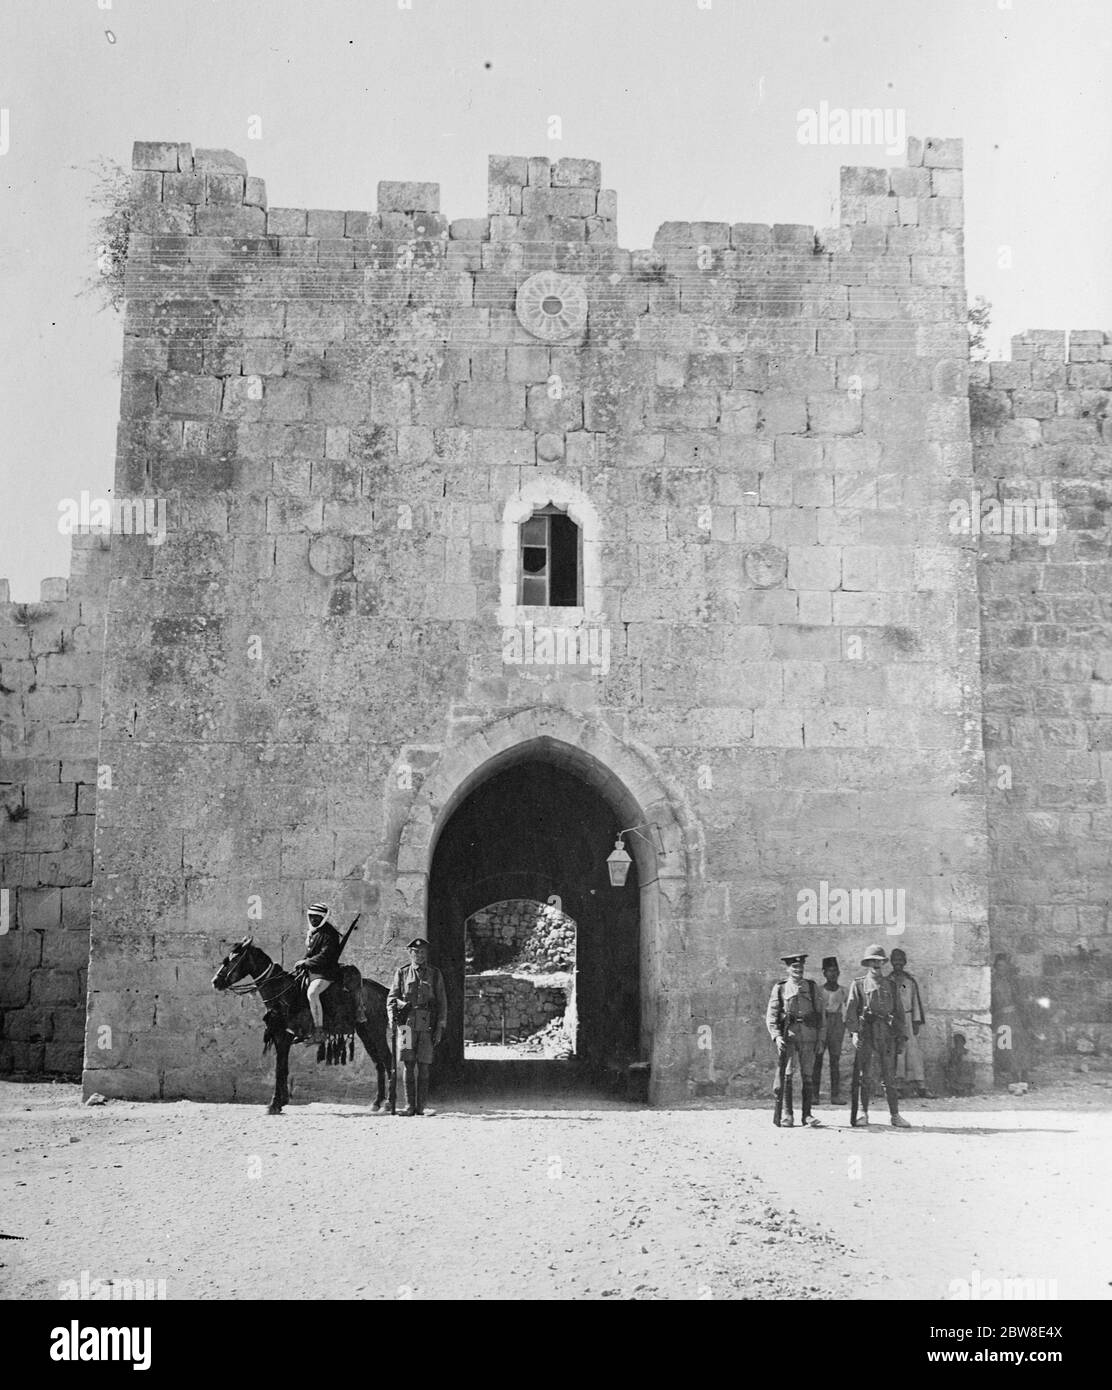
pixel 552 306
pixel 330 555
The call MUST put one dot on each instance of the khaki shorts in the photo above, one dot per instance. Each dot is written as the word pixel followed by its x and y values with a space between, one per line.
pixel 414 1045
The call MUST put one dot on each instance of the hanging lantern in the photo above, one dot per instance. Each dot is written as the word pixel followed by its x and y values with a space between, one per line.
pixel 618 862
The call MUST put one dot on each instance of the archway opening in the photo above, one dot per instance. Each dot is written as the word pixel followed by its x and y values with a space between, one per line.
pixel 540 827
pixel 519 983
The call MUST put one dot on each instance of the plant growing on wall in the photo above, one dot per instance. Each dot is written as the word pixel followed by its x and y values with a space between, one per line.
pixel 979 321
pixel 113 208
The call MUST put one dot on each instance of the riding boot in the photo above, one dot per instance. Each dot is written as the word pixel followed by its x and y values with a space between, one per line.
pixel 409 1089
pixel 892 1095
pixel 816 1073
pixel 788 1117
pixel 808 1094
pixel 422 1086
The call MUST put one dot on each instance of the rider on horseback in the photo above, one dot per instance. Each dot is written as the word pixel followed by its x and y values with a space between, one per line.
pixel 321 962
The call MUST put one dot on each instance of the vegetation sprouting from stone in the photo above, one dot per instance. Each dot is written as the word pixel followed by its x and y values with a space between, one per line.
pixel 980 319
pixel 113 207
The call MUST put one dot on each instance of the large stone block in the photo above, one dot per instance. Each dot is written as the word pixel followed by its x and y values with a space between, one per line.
pixel 942 154
pixel 865 182
pixel 814 567
pixel 495 404
pixel 577 173
pixel 50 986
pixel 121 1083
pixel 224 188
pixel 40 909
pixel 558 202
pixel 325 223
pixel 219 162
pixel 162 155
pixel 408 197
pixel 507 169
pixel 231 221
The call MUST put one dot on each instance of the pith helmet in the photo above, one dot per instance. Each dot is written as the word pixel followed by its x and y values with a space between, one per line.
pixel 874 953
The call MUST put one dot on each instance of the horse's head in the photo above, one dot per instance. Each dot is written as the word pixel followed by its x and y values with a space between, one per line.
pixel 238 963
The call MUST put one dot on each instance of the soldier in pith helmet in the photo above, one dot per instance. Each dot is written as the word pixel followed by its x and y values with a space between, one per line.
pixel 874 1019
pixel 417 1006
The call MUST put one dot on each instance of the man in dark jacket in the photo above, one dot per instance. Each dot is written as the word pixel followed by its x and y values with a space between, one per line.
pixel 321 961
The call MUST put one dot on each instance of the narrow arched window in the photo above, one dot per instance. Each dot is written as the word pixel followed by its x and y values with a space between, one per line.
pixel 550 560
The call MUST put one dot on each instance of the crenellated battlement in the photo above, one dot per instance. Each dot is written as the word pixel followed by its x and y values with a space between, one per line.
pixel 1077 347
pixel 1055 389
pixel 88 576
pixel 534 201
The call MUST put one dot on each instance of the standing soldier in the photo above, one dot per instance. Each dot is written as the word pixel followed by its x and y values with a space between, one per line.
pixel 874 1017
pixel 909 1063
pixel 794 1019
pixel 417 1006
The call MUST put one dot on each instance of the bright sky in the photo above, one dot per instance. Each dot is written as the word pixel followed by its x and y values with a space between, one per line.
pixel 691 107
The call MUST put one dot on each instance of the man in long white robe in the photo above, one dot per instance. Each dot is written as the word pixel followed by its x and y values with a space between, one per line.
pixel 910 1073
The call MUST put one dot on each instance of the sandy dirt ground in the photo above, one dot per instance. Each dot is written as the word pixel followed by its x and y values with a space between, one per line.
pixel 562 1198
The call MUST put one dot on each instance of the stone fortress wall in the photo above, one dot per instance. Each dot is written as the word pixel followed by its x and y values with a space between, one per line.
pixel 1042 429
pixel 51 656
pixel 761 432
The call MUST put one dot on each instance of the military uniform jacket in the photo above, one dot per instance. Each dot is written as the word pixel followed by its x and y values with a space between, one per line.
pixel 876 999
pixel 422 988
pixel 795 1013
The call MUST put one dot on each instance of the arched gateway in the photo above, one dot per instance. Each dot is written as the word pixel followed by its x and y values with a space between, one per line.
pixel 530 806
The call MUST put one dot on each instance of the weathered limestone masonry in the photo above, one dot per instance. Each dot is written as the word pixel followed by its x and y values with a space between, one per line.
pixel 509 1007
pixel 520 930
pixel 757 430
pixel 50 686
pixel 1042 427
pixel 530 938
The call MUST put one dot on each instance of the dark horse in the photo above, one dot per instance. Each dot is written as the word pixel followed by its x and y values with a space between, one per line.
pixel 248 970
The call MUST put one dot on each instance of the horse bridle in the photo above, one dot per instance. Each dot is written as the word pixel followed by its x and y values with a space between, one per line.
pixel 251 986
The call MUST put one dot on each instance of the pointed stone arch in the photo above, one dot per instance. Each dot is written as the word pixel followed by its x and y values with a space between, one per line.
pixel 624 776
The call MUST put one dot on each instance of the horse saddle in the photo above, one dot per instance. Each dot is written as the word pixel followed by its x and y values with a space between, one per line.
pixel 341 1001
